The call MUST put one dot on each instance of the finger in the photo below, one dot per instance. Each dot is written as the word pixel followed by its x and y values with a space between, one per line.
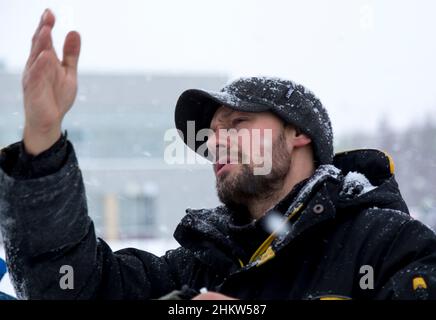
pixel 39 70
pixel 212 296
pixel 47 18
pixel 38 29
pixel 44 42
pixel 71 50
pixel 47 22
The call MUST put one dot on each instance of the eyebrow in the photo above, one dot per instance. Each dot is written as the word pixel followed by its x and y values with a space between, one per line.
pixel 224 114
pixel 227 113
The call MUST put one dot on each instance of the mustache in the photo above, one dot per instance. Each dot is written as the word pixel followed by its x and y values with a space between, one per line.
pixel 224 155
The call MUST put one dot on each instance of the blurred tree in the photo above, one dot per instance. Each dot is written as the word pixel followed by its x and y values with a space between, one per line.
pixel 414 154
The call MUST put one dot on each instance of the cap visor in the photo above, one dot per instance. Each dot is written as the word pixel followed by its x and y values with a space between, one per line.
pixel 200 106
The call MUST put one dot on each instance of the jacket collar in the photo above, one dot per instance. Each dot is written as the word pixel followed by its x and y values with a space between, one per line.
pixel 314 204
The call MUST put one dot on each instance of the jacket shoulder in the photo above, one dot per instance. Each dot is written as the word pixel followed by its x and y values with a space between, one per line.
pixel 380 222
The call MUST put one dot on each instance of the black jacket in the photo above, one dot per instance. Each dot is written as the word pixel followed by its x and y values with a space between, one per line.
pixel 337 225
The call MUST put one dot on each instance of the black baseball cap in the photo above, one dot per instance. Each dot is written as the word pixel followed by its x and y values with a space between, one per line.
pixel 292 102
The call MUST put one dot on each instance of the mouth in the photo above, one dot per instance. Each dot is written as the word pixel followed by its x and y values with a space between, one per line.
pixel 221 166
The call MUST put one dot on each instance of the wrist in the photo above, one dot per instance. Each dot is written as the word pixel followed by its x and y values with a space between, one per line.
pixel 36 142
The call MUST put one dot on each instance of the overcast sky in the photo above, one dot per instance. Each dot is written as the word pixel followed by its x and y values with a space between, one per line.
pixel 364 59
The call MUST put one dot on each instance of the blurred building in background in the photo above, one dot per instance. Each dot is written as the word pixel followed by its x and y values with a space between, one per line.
pixel 117 127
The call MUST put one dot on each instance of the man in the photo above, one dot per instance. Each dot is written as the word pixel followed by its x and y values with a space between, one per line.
pixel 315 226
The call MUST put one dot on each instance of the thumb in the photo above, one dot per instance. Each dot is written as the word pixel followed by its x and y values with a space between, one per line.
pixel 71 50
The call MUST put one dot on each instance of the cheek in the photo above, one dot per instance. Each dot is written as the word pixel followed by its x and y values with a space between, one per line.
pixel 262 144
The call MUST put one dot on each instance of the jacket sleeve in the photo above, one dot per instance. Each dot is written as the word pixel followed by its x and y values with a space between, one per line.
pixel 21 165
pixel 409 267
pixel 45 225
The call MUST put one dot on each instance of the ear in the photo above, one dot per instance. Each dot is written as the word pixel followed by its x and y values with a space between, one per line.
pixel 296 138
pixel 301 139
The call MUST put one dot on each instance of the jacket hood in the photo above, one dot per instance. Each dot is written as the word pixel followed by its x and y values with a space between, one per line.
pixel 368 180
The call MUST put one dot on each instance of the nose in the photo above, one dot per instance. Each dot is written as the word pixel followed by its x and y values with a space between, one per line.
pixel 215 143
pixel 211 143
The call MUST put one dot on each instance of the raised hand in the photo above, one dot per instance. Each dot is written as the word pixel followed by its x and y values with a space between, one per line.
pixel 49 86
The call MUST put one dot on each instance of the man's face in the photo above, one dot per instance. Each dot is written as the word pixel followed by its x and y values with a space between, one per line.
pixel 242 143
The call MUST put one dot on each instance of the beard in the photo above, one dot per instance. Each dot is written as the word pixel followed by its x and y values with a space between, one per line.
pixel 242 185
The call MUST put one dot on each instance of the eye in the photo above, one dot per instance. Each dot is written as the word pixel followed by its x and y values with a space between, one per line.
pixel 239 120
